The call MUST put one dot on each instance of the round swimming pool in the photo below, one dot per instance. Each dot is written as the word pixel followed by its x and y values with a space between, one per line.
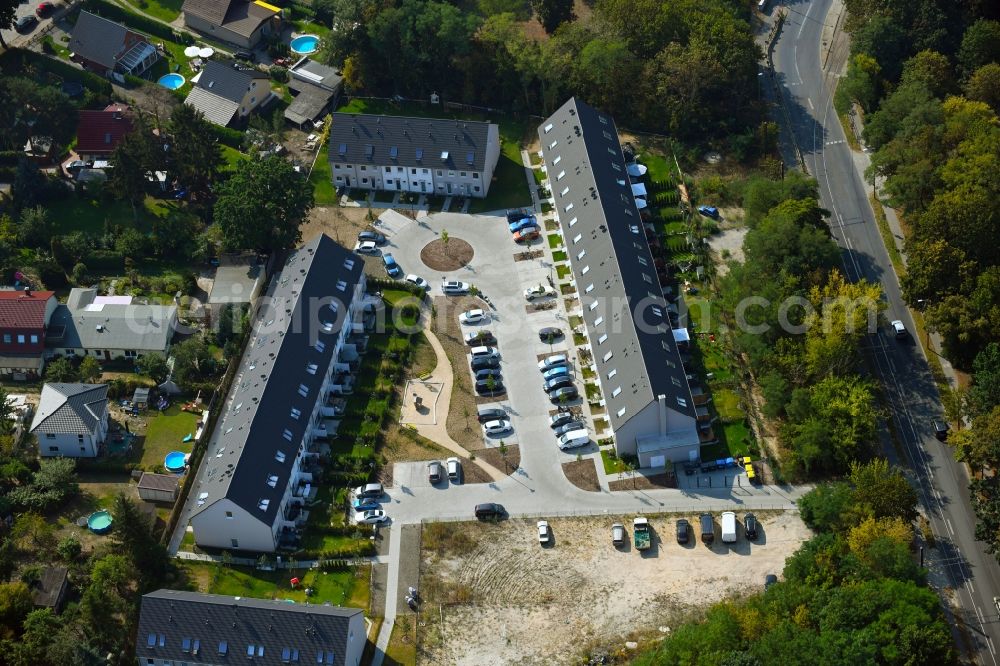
pixel 99 522
pixel 305 44
pixel 174 461
pixel 171 81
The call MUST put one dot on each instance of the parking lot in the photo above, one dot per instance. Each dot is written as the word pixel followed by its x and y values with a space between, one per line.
pixel 513 321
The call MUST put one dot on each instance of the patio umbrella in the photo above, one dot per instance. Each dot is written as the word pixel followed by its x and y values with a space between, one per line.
pixel 206 52
pixel 191 51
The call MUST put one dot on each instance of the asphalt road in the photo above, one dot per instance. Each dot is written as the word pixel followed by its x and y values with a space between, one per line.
pixel 14 38
pixel 958 561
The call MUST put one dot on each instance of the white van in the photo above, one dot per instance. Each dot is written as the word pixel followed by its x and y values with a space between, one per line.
pixel 574 439
pixel 728 527
pixel 483 352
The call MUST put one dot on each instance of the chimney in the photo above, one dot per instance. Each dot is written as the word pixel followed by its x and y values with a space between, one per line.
pixel 27 291
pixel 661 401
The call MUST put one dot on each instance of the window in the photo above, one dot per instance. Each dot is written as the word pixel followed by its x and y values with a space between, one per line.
pixel 475 188
pixel 6 337
pixel 263 504
pixel 388 169
pixel 296 413
pixel 185 644
pixel 425 170
pixel 604 121
pixel 576 239
pixel 593 306
pixel 289 655
pixel 586 269
pixel 279 456
pixel 564 192
pixel 50 435
pixel 303 390
pixel 20 339
pixel 475 175
pixel 579 255
pixel 420 155
pixel 223 648
pixel 614 371
pixel 272 480
pixel 253 100
pixel 556 160
pixel 151 640
pixel 616 392
pixel 229 515
pixel 311 368
pixel 462 174
pixel 79 438
pixel 547 128
pixel 320 345
pixel 601 340
pixel 572 222
pixel 287 434
pixel 560 176
pixel 162 640
pixel 364 168
pixel 413 172
pixel 439 172
pixel 598 321
pixel 621 412
pixel 364 180
pixel 53 448
pixel 34 339
pixel 393 153
pixel 607 357
pixel 553 144
pixel 590 288
pixel 569 207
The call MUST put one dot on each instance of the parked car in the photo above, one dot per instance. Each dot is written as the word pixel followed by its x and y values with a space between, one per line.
pixel 573 439
pixel 566 393
pixel 491 414
pixel 366 247
pixel 489 511
pixel 683 531
pixel 618 536
pixel 552 361
pixel 898 329
pixel 484 388
pixel 544 532
pixel 523 223
pixel 728 527
pixel 550 334
pixel 480 337
pixel 372 517
pixel 371 490
pixel 454 287
pixel 417 281
pixel 515 214
pixel 484 352
pixel 527 234
pixel 750 526
pixel 246 56
pixel 569 427
pixel 497 427
pixel 391 267
pixel 557 371
pixel 707 528
pixel 560 418
pixel 372 236
pixel 485 373
pixel 471 317
pixel 454 469
pixel 709 211
pixel 557 383
pixel 44 9
pixel 434 471
pixel 538 291
pixel 941 429
pixel 484 362
pixel 25 23
pixel 364 504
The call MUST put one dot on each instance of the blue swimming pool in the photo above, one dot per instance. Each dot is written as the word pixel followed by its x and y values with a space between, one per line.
pixel 305 44
pixel 171 81
pixel 174 461
pixel 99 522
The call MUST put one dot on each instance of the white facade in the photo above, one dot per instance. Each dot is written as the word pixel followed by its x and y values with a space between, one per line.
pixel 71 445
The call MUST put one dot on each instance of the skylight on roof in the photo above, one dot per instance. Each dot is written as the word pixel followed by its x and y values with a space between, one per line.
pixel 320 346
pixel 223 648
pixel 393 152
pixel 263 504
pixel 369 150
pixel 287 434
pixel 279 456
pixel 311 368
pixel 303 390
pixel 272 480
pixel 343 149
pixel 296 413
pixel 420 153
pixel 470 158
pixel 444 154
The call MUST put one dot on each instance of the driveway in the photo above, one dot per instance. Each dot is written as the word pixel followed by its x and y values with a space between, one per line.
pixel 21 39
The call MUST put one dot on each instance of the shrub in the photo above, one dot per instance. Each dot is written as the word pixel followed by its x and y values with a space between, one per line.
pixel 279 73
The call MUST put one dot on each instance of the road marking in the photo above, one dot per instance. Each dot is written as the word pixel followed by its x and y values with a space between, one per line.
pixel 968 582
pixel 802 25
pixel 951 531
pixel 834 143
pixel 809 99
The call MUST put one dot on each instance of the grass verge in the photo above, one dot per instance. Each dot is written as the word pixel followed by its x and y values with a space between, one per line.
pixel 887 237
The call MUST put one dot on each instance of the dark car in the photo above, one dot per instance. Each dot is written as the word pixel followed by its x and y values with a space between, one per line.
pixel 373 236
pixel 941 429
pixel 683 531
pixel 491 414
pixel 481 375
pixel 569 427
pixel 489 511
pixel 707 528
pixel 483 388
pixel 557 383
pixel 560 418
pixel 248 56
pixel 24 23
pixel 44 9
pixel 484 362
pixel 566 393
pixel 515 214
pixel 750 526
pixel 549 334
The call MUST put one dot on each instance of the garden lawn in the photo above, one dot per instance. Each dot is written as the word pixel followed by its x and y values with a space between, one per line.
pixel 231 156
pixel 727 404
pixel 555 240
pixel 165 432
pixel 322 180
pixel 165 10
pixel 339 587
pixel 612 463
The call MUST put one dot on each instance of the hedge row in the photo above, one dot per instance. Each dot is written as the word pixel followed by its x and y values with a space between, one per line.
pixel 138 21
pixel 105 261
pixel 89 80
pixel 228 136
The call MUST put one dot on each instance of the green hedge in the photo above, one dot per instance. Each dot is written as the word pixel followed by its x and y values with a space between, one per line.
pixel 15 60
pixel 228 136
pixel 137 21
pixel 105 261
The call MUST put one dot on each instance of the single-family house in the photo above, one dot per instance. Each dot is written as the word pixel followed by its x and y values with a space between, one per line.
pixel 71 420
pixel 235 21
pixel 314 87
pixel 254 477
pixel 158 487
pixel 49 591
pixel 178 627
pixel 421 155
pixel 98 133
pixel 227 93
pixel 110 327
pixel 635 349
pixel 105 47
pixel 25 316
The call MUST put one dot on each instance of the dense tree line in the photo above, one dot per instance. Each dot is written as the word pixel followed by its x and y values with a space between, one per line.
pixel 661 66
pixel 799 324
pixel 852 594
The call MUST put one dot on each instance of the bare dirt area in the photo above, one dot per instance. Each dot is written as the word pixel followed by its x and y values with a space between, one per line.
pixel 550 605
pixel 461 423
pixel 727 246
pixel 582 474
pixel 445 256
pixel 642 482
pixel 493 457
pixel 341 223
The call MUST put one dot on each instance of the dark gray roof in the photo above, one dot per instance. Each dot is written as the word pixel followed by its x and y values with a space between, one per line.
pixel 83 324
pixel 150 481
pixel 228 80
pixel 607 230
pixel 213 11
pixel 433 143
pixel 71 408
pixel 238 622
pixel 308 104
pixel 317 74
pixel 97 39
pixel 45 593
pixel 258 423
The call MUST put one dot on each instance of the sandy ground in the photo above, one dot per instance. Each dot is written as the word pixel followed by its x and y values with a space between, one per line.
pixel 521 603
pixel 728 239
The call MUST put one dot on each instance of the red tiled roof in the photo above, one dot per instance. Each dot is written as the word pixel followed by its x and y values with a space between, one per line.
pixel 101 131
pixel 21 310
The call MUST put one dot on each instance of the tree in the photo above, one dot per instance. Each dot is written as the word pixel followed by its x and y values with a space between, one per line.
pixel 69 548
pixel 8 12
pixel 861 536
pixel 502 450
pixel 980 45
pixel 195 157
pixel 33 534
pixel 132 533
pixel 979 445
pixel 192 360
pixel 131 243
pixel 53 483
pixel 984 85
pixel 153 366
pixel 35 228
pixel 863 83
pixel 31 648
pixel 262 205
pixel 15 604
pixel 882 491
pixel 444 236
pixel 133 158
pixel 828 507
pixel 90 370
pixel 61 370
pixel 553 13
pixel 985 392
